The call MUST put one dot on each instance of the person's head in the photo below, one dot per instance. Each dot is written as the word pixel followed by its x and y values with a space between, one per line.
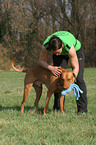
pixel 55 45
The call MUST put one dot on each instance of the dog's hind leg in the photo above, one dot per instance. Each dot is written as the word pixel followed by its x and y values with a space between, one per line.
pixel 38 90
pixel 27 90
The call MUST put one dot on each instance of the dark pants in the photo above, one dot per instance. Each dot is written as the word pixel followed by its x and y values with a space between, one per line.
pixel 61 60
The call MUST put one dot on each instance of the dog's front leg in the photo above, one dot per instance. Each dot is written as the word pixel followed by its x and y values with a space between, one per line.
pixel 61 104
pixel 47 102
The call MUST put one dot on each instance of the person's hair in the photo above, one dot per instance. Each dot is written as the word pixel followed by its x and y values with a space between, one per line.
pixel 55 43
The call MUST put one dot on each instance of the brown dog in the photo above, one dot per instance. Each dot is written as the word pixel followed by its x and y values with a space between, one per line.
pixel 37 76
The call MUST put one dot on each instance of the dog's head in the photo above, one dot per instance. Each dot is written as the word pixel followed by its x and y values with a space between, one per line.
pixel 65 79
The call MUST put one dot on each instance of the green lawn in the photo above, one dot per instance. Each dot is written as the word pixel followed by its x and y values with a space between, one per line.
pixel 33 128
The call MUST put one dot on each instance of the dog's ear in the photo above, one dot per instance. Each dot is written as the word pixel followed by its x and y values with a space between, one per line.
pixel 74 77
pixel 60 82
pixel 61 79
pixel 60 76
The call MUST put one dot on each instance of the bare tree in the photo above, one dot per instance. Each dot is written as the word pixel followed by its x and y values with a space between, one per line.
pixel 25 24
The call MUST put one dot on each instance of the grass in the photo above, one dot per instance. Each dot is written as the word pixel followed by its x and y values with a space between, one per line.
pixel 33 128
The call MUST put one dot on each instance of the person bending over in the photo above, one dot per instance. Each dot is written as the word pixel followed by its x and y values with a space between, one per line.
pixel 64 47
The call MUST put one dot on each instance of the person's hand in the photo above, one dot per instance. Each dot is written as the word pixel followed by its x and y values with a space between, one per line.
pixel 55 70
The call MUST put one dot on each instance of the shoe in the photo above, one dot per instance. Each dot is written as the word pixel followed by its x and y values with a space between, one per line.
pixel 81 113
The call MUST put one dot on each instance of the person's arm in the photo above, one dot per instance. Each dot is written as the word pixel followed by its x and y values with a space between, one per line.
pixel 74 60
pixel 43 62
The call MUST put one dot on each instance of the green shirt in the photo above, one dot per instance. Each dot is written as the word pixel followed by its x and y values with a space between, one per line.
pixel 67 39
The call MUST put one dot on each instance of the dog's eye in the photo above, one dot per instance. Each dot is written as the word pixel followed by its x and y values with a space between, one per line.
pixel 69 79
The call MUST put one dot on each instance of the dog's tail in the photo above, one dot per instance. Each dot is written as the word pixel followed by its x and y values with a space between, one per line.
pixel 19 70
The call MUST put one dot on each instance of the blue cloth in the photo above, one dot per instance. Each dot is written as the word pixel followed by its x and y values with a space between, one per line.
pixel 76 91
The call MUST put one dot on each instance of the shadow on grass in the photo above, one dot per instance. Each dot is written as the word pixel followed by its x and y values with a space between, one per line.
pixel 26 109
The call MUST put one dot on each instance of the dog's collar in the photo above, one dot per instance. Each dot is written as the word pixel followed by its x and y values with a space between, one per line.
pixel 74 77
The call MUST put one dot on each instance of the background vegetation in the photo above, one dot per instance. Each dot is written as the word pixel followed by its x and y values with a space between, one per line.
pixel 33 128
pixel 25 24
